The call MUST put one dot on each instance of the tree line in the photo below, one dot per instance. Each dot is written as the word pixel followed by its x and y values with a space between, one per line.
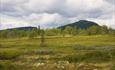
pixel 68 31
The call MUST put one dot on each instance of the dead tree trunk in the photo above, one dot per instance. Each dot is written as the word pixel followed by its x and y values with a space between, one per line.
pixel 42 38
pixel 42 44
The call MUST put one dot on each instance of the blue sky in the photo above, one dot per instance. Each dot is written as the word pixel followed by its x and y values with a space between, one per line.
pixel 52 13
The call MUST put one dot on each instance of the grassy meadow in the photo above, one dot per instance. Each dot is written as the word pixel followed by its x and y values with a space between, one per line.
pixel 96 52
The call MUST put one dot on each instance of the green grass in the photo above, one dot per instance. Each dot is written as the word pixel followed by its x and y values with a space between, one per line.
pixel 77 49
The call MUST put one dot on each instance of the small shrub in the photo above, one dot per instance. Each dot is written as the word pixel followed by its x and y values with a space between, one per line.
pixel 80 47
pixel 7 65
pixel 113 65
pixel 0 45
pixel 112 52
pixel 104 48
pixel 95 56
pixel 44 52
pixel 9 54
pixel 98 56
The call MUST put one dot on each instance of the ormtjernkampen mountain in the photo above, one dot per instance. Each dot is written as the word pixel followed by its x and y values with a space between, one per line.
pixel 81 24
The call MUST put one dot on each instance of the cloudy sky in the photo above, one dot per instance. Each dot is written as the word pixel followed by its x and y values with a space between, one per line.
pixel 52 13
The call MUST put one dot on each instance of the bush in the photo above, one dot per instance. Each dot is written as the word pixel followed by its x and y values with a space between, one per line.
pixel 80 47
pixel 104 48
pixel 7 65
pixel 98 56
pixel 45 52
pixel 0 45
pixel 95 56
pixel 112 52
pixel 113 65
pixel 9 54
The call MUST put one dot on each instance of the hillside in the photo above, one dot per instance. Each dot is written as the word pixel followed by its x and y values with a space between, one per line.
pixel 22 28
pixel 82 24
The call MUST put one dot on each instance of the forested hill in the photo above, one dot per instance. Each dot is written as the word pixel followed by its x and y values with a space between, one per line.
pixel 81 24
pixel 22 28
pixel 25 28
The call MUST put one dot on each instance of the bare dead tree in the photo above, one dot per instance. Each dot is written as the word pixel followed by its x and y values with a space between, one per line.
pixel 38 27
pixel 42 38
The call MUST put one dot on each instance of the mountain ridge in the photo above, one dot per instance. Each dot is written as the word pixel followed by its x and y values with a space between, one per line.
pixel 22 28
pixel 82 24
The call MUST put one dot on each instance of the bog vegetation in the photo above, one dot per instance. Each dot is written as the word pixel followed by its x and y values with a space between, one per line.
pixel 67 49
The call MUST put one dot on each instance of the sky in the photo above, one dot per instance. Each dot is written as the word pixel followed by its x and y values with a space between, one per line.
pixel 54 13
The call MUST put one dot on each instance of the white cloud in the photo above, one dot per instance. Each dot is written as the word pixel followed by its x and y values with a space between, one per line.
pixel 46 20
pixel 110 22
pixel 51 13
pixel 11 22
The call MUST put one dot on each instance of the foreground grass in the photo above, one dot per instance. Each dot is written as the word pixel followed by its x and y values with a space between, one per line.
pixel 69 53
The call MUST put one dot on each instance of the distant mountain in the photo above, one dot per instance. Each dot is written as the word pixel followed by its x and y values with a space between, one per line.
pixel 26 28
pixel 22 28
pixel 82 24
